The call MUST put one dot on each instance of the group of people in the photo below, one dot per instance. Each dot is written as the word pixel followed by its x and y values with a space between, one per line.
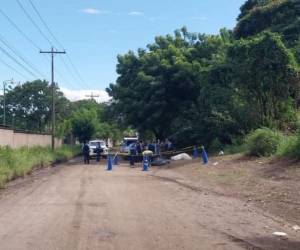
pixel 156 147
pixel 148 149
pixel 86 153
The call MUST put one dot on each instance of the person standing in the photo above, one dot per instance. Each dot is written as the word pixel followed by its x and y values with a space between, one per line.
pixel 151 147
pixel 132 150
pixel 86 153
pixel 99 150
pixel 157 148
pixel 139 147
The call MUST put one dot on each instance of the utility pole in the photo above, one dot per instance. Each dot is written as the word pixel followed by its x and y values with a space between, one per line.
pixel 53 52
pixel 4 98
pixel 92 96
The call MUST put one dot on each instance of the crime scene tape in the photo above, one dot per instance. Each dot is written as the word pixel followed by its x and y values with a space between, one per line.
pixel 166 153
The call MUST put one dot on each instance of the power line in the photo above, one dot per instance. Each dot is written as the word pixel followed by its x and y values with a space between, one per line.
pixel 18 54
pixel 74 69
pixel 17 62
pixel 26 38
pixel 33 22
pixel 63 78
pixel 19 30
pixel 46 25
pixel 12 68
pixel 38 47
pixel 68 68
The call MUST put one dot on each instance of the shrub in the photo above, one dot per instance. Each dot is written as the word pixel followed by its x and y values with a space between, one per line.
pixel 263 142
pixel 290 147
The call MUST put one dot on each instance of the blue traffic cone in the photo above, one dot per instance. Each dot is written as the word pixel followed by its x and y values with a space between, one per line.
pixel 145 164
pixel 116 160
pixel 204 156
pixel 195 153
pixel 109 163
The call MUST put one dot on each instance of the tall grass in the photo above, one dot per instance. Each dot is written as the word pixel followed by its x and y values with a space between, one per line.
pixel 290 147
pixel 19 162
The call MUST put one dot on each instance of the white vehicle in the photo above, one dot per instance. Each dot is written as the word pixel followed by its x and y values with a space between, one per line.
pixel 96 144
pixel 127 141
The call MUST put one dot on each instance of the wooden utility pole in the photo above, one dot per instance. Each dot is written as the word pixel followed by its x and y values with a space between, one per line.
pixel 92 96
pixel 53 52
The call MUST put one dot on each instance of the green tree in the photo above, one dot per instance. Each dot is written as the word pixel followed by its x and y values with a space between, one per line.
pixel 154 86
pixel 29 106
pixel 266 78
pixel 281 16
pixel 84 124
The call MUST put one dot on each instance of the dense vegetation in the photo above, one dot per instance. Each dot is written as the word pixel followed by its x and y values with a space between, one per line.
pixel 19 162
pixel 192 88
pixel 28 108
pixel 214 89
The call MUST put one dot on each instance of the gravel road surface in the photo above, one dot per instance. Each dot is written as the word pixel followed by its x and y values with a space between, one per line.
pixel 73 206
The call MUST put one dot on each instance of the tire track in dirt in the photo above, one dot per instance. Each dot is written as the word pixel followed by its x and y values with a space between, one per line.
pixel 78 213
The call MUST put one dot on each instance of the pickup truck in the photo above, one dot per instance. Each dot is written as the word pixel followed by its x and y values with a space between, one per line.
pixel 95 144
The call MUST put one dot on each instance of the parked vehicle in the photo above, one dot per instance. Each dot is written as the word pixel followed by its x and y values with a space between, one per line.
pixel 96 144
pixel 127 142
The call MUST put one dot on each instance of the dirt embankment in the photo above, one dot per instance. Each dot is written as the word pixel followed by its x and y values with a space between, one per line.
pixel 271 184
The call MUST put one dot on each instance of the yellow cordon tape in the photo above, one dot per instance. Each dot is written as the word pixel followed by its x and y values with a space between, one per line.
pixel 183 150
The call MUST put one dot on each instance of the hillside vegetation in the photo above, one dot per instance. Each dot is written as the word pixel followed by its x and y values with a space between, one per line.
pixel 197 88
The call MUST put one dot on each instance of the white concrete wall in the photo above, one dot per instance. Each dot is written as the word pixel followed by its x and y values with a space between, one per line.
pixel 14 139
pixel 6 137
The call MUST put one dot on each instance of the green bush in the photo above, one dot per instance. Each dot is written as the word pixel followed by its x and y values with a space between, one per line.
pixel 263 142
pixel 19 162
pixel 290 147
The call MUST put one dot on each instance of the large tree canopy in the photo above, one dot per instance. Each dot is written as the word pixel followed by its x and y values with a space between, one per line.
pixel 198 88
pixel 28 106
pixel 265 75
pixel 282 16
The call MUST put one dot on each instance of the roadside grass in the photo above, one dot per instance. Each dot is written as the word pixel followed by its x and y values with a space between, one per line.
pixel 265 142
pixel 19 162
pixel 289 147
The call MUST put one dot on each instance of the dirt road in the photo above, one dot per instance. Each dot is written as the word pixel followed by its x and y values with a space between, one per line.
pixel 76 207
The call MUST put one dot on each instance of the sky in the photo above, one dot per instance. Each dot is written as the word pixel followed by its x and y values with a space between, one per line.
pixel 93 33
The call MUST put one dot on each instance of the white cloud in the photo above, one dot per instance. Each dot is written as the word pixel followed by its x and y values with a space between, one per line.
pixel 76 95
pixel 135 13
pixel 92 11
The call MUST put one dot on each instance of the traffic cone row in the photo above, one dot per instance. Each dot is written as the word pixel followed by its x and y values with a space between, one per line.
pixel 146 160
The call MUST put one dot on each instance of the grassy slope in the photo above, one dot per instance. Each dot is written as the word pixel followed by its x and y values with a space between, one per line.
pixel 19 162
